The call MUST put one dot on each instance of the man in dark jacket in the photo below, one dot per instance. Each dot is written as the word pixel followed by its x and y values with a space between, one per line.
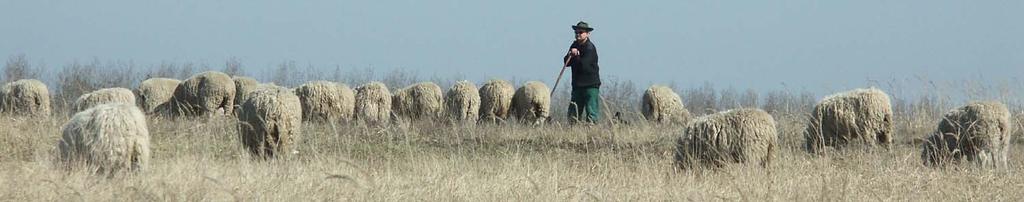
pixel 586 82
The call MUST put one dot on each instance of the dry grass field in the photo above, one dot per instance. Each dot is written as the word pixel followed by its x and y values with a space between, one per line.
pixel 202 160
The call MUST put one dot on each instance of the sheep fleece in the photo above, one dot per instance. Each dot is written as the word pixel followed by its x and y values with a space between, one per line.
pixel 373 103
pixel 532 102
pixel 205 93
pixel 661 104
pixel 418 101
pixel 25 97
pixel 243 85
pixel 462 102
pixel 736 136
pixel 154 93
pixel 325 101
pixel 104 96
pixel 109 138
pixel 979 132
pixel 270 121
pixel 496 100
pixel 860 116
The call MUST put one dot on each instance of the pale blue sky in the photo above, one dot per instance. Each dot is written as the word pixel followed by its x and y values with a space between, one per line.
pixel 744 44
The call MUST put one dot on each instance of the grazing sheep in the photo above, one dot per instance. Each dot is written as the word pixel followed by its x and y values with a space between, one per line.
pixel 418 101
pixel 462 102
pixel 204 93
pixel 744 135
pixel 532 103
pixel 270 121
pixel 243 85
pixel 154 93
pixel 860 116
pixel 373 104
pixel 496 100
pixel 104 96
pixel 979 132
pixel 325 101
pixel 348 101
pixel 662 105
pixel 108 138
pixel 27 97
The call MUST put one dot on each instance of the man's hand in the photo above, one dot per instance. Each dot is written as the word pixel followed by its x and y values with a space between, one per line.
pixel 574 52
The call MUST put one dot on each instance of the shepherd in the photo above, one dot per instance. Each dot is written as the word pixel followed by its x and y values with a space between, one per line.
pixel 582 57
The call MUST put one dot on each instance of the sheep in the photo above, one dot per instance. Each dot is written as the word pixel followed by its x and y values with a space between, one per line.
pixel 326 101
pixel 979 132
pixel 154 93
pixel 373 104
pixel 107 138
pixel 745 135
pixel 242 87
pixel 418 101
pixel 495 100
pixel 662 105
pixel 860 116
pixel 104 96
pixel 532 103
pixel 270 121
pixel 27 97
pixel 462 102
pixel 204 93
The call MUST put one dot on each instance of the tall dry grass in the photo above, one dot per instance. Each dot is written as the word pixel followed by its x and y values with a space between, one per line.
pixel 202 159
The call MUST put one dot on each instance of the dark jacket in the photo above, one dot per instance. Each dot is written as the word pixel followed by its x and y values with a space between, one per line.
pixel 584 68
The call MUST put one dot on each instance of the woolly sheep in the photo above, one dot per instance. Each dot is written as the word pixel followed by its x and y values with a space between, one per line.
pixel 462 102
pixel 204 93
pixel 104 96
pixel 270 121
pixel 532 102
pixel 25 97
pixel 661 104
pixel 243 85
pixel 979 132
pixel 325 101
pixel 373 104
pixel 108 138
pixel 154 93
pixel 418 101
pixel 743 135
pixel 495 100
pixel 860 116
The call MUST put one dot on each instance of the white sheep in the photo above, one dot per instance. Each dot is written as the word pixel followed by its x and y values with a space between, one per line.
pixel 532 103
pixel 859 117
pixel 204 93
pixel 743 135
pixel 270 121
pixel 27 97
pixel 242 87
pixel 662 105
pixel 154 93
pixel 326 101
pixel 462 102
pixel 107 138
pixel 373 104
pixel 979 132
pixel 418 101
pixel 496 100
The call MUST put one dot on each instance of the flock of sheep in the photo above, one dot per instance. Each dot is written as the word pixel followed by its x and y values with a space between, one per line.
pixel 108 132
pixel 978 132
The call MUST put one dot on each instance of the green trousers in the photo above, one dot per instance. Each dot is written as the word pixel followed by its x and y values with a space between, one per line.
pixel 585 105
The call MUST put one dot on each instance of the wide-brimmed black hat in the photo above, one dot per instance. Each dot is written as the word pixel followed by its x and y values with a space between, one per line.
pixel 582 26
